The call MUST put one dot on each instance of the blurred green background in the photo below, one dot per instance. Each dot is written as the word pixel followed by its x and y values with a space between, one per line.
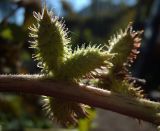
pixel 88 21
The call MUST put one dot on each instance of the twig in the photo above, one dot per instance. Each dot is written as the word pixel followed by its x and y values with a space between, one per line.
pixel 36 84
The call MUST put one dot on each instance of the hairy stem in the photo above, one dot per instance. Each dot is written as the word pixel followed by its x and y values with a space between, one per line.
pixel 37 84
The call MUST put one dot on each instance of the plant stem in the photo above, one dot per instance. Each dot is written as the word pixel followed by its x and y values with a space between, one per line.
pixel 37 84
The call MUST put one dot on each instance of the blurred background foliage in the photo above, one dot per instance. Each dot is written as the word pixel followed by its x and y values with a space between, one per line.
pixel 89 21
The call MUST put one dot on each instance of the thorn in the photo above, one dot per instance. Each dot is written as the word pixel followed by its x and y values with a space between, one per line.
pixel 137 39
pixel 33 35
pixel 137 45
pixel 103 68
pixel 99 71
pixel 32 29
pixel 135 51
pixel 37 16
pixel 94 73
pixel 33 42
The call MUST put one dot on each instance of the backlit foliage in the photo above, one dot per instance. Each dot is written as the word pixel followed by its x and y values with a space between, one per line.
pixel 58 61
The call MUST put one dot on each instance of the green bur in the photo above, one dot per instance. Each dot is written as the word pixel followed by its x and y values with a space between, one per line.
pixel 58 61
pixel 125 44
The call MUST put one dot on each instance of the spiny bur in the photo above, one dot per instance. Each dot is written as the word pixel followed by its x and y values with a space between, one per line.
pixel 58 61
pixel 85 61
pixel 125 44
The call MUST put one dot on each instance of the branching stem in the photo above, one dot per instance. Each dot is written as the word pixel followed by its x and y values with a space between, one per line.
pixel 36 84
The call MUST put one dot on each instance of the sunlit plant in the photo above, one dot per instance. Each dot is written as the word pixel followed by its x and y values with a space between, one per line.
pixel 58 61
